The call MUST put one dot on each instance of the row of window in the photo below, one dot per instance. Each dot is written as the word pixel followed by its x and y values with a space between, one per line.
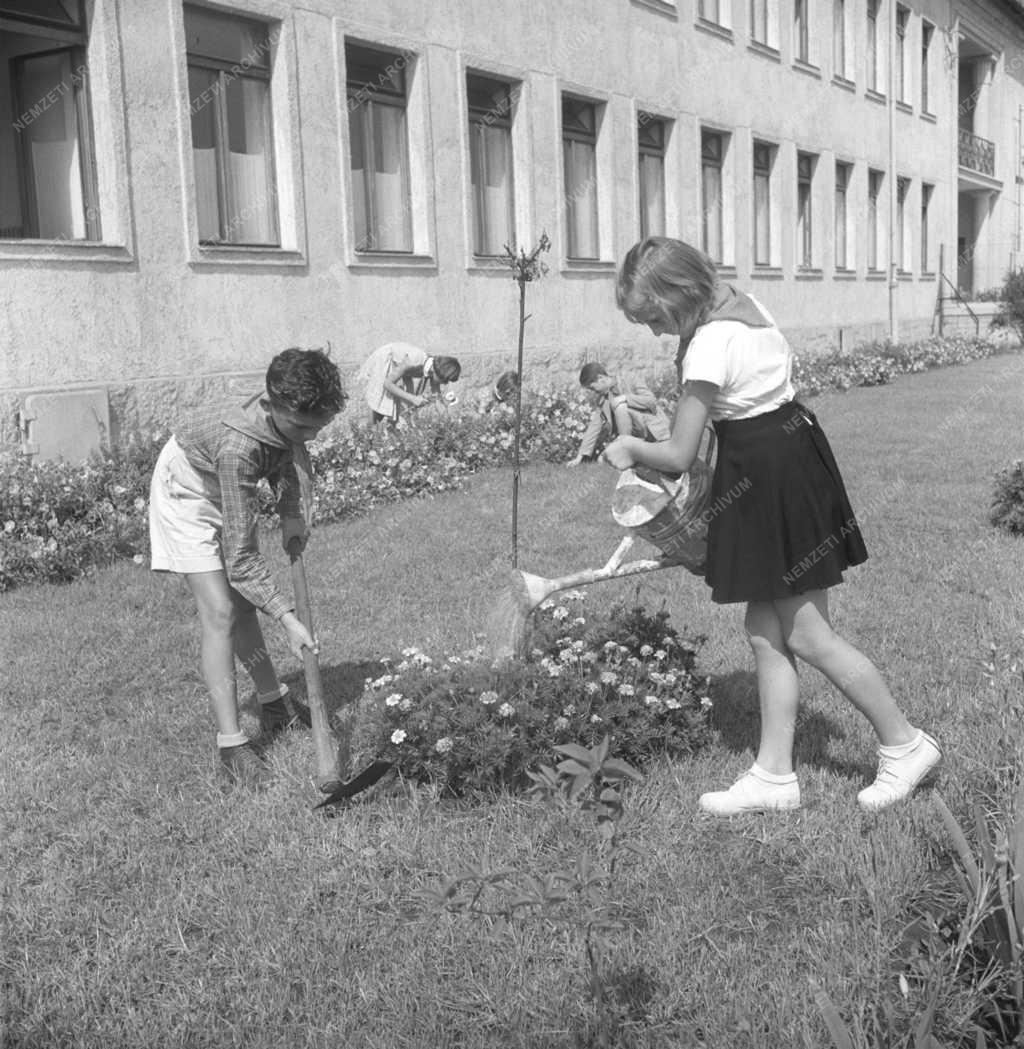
pixel 229 62
pixel 811 24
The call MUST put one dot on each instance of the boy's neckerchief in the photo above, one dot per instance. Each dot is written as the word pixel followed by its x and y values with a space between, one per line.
pixel 730 304
pixel 253 419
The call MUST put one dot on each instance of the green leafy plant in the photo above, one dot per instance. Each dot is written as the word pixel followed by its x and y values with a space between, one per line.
pixel 1007 509
pixel 465 724
pixel 1011 304
pixel 579 896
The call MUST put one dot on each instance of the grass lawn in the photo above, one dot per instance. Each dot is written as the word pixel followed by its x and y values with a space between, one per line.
pixel 143 906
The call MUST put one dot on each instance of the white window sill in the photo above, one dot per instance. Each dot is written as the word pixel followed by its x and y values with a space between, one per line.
pixel 663 7
pixel 587 266
pixel 41 252
pixel 368 260
pixel 242 255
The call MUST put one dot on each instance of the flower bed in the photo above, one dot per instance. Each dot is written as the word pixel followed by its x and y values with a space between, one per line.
pixel 465 724
pixel 59 521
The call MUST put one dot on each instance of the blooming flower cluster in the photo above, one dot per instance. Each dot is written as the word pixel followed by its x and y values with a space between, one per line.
pixel 464 723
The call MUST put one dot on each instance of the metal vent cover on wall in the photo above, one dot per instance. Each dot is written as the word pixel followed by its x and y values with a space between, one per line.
pixel 70 424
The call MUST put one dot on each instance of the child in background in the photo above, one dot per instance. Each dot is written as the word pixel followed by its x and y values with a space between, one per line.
pixel 203 522
pixel 398 376
pixel 624 410
pixel 786 539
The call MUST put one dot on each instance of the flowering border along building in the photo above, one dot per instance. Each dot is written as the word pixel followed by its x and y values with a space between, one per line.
pixel 186 188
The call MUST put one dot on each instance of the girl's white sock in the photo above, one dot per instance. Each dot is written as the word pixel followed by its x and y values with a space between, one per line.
pixel 272 697
pixel 903 749
pixel 772 777
pixel 231 739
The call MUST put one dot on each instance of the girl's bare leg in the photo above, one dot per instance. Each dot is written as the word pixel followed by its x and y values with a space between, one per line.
pixel 777 685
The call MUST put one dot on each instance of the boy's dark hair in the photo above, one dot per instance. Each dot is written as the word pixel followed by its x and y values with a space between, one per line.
pixel 446 369
pixel 507 384
pixel 306 381
pixel 590 371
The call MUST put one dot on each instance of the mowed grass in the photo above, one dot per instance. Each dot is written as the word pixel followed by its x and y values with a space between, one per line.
pixel 144 906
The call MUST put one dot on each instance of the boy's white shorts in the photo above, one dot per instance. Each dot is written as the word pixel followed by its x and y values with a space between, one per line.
pixel 184 516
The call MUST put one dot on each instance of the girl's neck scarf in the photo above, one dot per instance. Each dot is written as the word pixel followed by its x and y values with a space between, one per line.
pixel 729 304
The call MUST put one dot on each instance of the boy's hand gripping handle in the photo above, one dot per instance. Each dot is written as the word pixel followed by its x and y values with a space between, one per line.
pixel 328 777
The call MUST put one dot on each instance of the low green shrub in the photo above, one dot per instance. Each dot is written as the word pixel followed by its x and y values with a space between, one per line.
pixel 467 724
pixel 1007 510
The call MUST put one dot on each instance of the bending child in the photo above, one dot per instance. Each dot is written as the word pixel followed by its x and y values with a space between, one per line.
pixel 203 524
pixel 624 410
pixel 399 376
pixel 790 535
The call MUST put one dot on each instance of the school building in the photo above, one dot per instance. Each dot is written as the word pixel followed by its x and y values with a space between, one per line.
pixel 187 188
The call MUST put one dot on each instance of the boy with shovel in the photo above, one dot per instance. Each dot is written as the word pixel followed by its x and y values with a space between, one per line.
pixel 203 524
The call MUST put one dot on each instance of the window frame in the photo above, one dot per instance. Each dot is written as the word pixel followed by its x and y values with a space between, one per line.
pixel 660 154
pixel 901 73
pixel 570 137
pixel 875 256
pixel 841 226
pixel 927 36
pixel 806 166
pixel 927 191
pixel 364 246
pixel 766 172
pixel 505 121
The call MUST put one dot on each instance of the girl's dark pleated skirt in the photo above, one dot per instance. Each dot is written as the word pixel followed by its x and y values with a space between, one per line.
pixel 781 522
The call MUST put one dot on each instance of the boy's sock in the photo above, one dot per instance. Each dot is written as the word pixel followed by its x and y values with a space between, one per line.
pixel 231 739
pixel 276 696
pixel 903 749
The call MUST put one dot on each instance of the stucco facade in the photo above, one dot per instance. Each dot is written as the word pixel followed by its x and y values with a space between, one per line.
pixel 145 308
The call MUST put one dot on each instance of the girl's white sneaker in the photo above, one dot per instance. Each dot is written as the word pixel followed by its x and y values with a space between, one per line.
pixel 899 774
pixel 755 791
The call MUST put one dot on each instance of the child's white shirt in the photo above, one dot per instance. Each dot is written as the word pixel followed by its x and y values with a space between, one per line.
pixel 752 367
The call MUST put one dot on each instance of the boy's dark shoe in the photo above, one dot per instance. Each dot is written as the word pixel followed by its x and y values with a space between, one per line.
pixel 243 765
pixel 276 717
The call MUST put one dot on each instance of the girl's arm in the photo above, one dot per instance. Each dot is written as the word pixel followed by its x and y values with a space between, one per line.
pixel 391 382
pixel 676 455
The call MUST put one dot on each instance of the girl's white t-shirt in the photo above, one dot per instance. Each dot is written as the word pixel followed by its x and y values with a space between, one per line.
pixel 752 367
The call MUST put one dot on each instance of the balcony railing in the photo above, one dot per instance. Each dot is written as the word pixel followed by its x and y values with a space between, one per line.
pixel 977 153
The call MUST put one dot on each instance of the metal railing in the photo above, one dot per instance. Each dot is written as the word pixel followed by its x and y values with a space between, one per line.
pixel 977 153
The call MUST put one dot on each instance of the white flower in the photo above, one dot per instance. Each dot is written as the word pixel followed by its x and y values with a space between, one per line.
pixel 574 595
pixel 566 655
pixel 672 704
pixel 610 646
pixel 633 661
pixel 488 697
pixel 393 700
pixel 660 654
pixel 705 703
pixel 398 735
pixel 138 559
pixel 670 679
pixel 589 657
pixel 384 679
pixel 536 653
pixel 403 666
pixel 569 710
pixel 646 650
pixel 554 671
pixel 443 745
pixel 579 621
pixel 658 679
pixel 560 613
pixel 578 646
pixel 609 677
pixel 592 687
pixel 9 527
pixel 561 723
pixel 140 503
pixel 668 642
pixel 421 660
pixel 627 690
pixel 545 605
pixel 506 710
pixel 652 701
pixel 411 651
pixel 406 704
pixel 596 719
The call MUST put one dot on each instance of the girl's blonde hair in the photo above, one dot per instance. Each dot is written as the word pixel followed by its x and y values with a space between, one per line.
pixel 667 280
